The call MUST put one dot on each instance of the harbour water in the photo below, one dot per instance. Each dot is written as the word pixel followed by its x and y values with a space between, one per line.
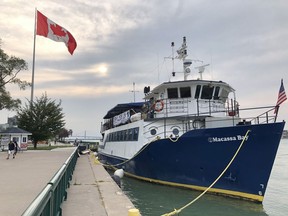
pixel 155 200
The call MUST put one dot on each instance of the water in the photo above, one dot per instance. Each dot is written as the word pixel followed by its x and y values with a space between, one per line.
pixel 155 200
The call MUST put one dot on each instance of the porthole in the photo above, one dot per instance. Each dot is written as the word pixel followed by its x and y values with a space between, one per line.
pixel 175 131
pixel 153 131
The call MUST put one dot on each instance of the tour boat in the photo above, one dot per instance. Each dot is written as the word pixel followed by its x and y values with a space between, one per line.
pixel 190 134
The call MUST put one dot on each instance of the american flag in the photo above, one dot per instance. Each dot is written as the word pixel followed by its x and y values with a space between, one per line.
pixel 281 96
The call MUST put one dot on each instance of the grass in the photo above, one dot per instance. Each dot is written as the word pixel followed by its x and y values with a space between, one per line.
pixel 47 147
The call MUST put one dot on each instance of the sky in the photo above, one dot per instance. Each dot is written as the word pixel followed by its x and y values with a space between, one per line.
pixel 124 42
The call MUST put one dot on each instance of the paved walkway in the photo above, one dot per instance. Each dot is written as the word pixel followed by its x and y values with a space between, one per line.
pixel 23 178
pixel 92 191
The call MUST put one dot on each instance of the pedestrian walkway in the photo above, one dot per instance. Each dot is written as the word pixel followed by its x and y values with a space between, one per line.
pixel 23 178
pixel 93 192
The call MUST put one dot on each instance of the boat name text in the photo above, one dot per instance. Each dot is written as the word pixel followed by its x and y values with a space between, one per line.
pixel 227 139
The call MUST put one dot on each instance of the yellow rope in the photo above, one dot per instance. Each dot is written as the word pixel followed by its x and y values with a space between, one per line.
pixel 190 203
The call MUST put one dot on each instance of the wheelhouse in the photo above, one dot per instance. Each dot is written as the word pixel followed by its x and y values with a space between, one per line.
pixel 193 97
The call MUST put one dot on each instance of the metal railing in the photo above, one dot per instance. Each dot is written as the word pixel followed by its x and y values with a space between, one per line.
pixel 165 129
pixel 48 202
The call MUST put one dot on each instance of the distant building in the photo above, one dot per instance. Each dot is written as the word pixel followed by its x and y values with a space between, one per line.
pixel 12 121
pixel 16 134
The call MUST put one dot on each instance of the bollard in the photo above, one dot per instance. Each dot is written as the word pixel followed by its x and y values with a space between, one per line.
pixel 96 161
pixel 133 212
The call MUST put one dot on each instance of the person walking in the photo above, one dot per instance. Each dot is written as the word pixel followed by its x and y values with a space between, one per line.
pixel 15 149
pixel 11 149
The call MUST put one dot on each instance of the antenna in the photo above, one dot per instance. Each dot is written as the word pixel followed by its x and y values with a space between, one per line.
pixel 201 69
pixel 172 46
pixel 182 54
pixel 182 51
pixel 172 58
pixel 134 90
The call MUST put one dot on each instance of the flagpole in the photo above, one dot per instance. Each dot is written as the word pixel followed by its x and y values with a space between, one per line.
pixel 33 63
pixel 276 114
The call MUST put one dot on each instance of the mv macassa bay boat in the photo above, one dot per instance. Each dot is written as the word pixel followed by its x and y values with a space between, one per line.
pixel 189 133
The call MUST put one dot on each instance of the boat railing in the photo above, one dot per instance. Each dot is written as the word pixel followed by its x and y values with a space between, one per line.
pixel 188 119
pixel 165 127
pixel 268 116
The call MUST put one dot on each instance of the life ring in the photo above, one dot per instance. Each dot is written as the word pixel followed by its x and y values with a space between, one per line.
pixel 158 105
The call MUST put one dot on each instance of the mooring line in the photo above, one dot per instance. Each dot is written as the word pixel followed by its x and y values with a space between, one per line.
pixel 216 180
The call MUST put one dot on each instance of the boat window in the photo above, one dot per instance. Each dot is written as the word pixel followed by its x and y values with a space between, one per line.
pixel 172 92
pixel 198 90
pixel 114 136
pixel 135 134
pixel 124 135
pixel 110 137
pixel 175 131
pixel 130 135
pixel 185 92
pixel 207 92
pixel 153 131
pixel 224 95
pixel 118 135
pixel 121 136
pixel 216 93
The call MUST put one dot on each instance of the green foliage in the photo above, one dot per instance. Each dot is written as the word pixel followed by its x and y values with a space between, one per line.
pixel 10 66
pixel 49 147
pixel 63 133
pixel 43 118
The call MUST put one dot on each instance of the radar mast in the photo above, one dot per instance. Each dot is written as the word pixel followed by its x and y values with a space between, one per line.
pixel 182 54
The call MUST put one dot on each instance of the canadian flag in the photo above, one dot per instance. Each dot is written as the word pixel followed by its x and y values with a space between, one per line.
pixel 49 29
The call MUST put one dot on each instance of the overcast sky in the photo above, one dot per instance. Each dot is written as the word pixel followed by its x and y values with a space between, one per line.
pixel 121 42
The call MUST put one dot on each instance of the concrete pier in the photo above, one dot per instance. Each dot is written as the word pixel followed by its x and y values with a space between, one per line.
pixel 92 191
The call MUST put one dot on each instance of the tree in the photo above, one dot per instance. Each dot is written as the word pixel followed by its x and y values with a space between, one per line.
pixel 9 69
pixel 70 132
pixel 43 118
pixel 63 133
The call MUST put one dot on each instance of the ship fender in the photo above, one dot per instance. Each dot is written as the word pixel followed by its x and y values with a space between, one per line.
pixel 158 105
pixel 118 174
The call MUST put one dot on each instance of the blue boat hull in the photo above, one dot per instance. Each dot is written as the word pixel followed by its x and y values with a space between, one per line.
pixel 198 157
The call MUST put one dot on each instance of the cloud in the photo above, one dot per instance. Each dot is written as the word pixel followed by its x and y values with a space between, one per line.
pixel 121 42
